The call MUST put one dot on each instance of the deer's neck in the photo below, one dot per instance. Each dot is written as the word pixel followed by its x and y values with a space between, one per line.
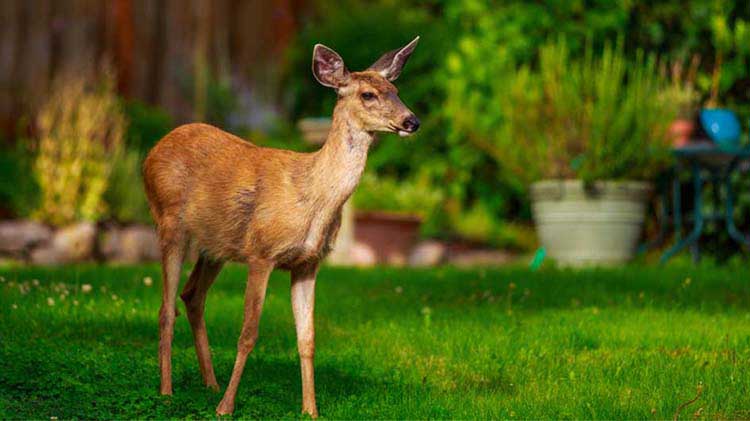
pixel 338 165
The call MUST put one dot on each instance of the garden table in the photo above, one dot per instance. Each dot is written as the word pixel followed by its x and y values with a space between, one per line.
pixel 720 164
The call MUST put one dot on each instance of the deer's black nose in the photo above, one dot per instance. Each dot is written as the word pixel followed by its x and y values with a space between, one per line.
pixel 411 124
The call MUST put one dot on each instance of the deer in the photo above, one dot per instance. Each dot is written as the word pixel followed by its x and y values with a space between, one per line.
pixel 266 208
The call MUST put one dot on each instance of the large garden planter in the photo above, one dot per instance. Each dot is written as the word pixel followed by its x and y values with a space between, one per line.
pixel 388 236
pixel 581 226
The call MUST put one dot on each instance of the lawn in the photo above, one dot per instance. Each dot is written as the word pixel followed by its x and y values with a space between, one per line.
pixel 391 343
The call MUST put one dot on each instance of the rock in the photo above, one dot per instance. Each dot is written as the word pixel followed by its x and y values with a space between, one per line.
pixel 470 258
pixel 362 255
pixel 74 243
pixel 138 243
pixel 109 242
pixel 20 236
pixel 427 253
pixel 133 244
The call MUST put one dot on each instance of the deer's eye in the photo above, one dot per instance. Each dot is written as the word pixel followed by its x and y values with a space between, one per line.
pixel 367 96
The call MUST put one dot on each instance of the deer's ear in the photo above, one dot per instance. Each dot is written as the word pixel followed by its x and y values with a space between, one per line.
pixel 392 62
pixel 328 67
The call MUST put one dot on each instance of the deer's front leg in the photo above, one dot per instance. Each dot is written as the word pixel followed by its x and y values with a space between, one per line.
pixel 303 304
pixel 255 294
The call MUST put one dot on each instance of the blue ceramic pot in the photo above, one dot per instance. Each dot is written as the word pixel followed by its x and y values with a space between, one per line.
pixel 722 126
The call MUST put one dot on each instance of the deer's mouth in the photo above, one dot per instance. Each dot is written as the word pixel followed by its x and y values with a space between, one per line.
pixel 401 131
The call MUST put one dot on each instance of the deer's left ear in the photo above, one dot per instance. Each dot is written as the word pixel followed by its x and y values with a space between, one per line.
pixel 328 67
pixel 392 62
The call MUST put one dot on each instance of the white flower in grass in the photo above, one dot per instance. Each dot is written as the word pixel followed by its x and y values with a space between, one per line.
pixel 75 302
pixel 2 279
pixel 50 301
pixel 62 297
pixel 399 289
pixel 148 281
pixel 114 297
pixel 86 288
pixel 35 282
pixel 14 306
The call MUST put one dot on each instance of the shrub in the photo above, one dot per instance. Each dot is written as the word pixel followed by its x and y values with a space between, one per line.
pixel 80 130
pixel 125 195
pixel 18 194
pixel 414 196
pixel 146 125
pixel 593 118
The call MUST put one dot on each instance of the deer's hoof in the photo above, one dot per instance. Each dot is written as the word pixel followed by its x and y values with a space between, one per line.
pixel 224 408
pixel 313 413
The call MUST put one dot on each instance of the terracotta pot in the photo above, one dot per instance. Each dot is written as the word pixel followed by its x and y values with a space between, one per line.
pixel 680 131
pixel 390 236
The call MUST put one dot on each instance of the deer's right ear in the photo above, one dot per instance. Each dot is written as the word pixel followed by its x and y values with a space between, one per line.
pixel 328 67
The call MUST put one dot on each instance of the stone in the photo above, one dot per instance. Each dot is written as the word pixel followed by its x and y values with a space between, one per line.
pixel 18 237
pixel 132 244
pixel 139 243
pixel 74 243
pixel 362 255
pixel 471 258
pixel 427 253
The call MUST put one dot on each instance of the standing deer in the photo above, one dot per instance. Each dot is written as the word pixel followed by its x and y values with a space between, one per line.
pixel 266 207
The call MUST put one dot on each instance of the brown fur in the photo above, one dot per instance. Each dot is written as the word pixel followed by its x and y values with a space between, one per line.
pixel 269 208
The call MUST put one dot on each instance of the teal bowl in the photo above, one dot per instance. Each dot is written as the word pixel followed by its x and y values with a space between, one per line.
pixel 722 126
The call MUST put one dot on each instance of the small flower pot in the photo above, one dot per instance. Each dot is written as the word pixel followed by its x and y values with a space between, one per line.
pixel 598 226
pixel 681 131
pixel 390 236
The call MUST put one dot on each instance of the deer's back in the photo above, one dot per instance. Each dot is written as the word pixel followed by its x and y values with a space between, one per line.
pixel 231 197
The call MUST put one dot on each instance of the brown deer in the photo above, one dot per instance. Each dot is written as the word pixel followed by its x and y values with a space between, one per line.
pixel 269 208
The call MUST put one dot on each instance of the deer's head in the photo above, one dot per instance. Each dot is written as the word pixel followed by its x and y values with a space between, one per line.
pixel 369 96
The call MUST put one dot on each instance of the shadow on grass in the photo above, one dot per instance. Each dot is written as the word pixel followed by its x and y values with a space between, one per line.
pixel 123 382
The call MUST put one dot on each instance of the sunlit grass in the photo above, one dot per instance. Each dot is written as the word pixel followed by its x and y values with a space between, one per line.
pixel 80 342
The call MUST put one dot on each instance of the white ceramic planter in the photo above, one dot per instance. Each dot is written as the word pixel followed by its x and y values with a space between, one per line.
pixel 596 226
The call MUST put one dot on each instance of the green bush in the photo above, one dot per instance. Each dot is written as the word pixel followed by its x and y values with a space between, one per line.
pixel 413 196
pixel 593 118
pixel 125 196
pixel 19 193
pixel 80 127
pixel 146 125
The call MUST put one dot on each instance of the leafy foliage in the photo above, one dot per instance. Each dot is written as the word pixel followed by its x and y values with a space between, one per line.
pixel 125 195
pixel 594 118
pixel 146 125
pixel 408 196
pixel 18 195
pixel 80 129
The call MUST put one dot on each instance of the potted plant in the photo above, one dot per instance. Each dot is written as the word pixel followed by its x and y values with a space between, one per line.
pixel 685 97
pixel 721 124
pixel 389 214
pixel 586 135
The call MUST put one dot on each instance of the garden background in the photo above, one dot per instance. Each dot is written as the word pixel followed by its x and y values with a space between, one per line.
pixel 87 87
pixel 244 66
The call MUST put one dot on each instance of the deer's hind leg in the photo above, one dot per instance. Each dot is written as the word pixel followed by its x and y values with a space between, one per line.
pixel 194 295
pixel 173 244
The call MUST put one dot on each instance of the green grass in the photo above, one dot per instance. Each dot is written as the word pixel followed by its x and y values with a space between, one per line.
pixel 443 343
